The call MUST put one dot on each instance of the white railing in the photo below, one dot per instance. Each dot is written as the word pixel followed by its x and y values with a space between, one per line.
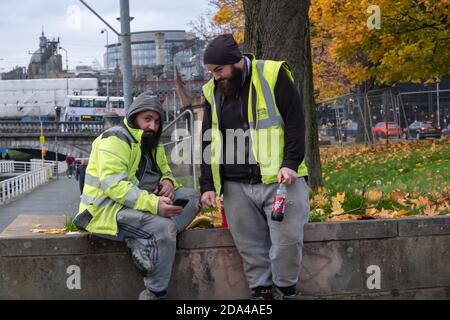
pixel 6 166
pixel 27 180
pixel 58 167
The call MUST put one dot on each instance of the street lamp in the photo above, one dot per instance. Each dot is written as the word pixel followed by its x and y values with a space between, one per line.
pixel 125 40
pixel 67 70
pixel 104 30
pixel 67 59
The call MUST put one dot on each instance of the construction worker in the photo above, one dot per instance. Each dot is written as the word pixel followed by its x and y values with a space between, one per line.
pixel 128 194
pixel 257 98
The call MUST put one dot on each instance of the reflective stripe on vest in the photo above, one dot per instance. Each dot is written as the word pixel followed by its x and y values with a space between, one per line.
pixel 274 119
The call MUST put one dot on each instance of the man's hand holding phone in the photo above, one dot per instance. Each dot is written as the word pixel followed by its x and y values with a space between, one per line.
pixel 167 209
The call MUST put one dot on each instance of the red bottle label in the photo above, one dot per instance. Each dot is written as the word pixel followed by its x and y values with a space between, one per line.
pixel 278 204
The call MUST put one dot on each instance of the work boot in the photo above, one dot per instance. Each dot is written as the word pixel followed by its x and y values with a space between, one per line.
pixel 140 256
pixel 149 295
pixel 285 293
pixel 261 293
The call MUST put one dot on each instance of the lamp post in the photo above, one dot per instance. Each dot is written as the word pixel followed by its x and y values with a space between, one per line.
pixel 67 70
pixel 104 30
pixel 1 69
pixel 67 59
pixel 125 40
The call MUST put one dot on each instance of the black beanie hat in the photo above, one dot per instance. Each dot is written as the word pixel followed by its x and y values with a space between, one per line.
pixel 222 50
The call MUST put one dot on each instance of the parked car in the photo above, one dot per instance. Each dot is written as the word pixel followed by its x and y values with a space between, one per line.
pixel 446 131
pixel 423 129
pixel 386 129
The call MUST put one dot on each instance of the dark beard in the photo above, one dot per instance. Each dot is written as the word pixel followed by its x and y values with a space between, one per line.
pixel 148 144
pixel 231 86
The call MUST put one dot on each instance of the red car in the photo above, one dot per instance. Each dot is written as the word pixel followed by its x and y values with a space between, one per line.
pixel 384 129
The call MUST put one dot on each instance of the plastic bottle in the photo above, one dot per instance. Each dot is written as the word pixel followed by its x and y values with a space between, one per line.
pixel 279 203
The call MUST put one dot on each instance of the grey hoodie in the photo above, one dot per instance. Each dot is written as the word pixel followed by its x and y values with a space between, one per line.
pixel 148 173
pixel 144 102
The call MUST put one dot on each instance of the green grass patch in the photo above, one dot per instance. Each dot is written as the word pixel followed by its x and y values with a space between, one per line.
pixel 70 226
pixel 415 173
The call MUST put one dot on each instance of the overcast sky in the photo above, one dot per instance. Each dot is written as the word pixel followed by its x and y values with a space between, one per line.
pixel 79 30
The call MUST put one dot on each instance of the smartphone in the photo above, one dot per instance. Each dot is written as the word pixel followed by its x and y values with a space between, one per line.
pixel 180 202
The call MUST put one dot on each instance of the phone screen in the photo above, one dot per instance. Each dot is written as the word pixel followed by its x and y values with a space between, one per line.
pixel 180 202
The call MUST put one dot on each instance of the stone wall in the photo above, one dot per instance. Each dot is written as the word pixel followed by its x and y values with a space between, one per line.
pixel 373 259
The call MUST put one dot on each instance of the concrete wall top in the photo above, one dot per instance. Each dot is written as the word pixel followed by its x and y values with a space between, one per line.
pixel 84 243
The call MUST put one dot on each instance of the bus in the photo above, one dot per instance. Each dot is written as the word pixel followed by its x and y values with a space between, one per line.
pixel 91 108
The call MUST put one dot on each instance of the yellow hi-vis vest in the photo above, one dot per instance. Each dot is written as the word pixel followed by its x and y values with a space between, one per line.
pixel 266 123
pixel 111 183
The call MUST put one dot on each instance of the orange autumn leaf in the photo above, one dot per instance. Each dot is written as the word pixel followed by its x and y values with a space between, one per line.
pixel 374 195
pixel 384 214
pixel 343 217
pixel 370 212
pixel 396 195
pixel 400 213
pixel 49 231
pixel 337 208
pixel 445 207
pixel 420 201
pixel 321 190
pixel 320 201
pixel 340 197
pixel 430 211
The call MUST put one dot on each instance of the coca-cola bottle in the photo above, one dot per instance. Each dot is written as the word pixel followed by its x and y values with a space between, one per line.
pixel 279 203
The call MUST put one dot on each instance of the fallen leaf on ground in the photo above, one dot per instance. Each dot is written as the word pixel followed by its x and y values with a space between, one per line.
pixel 400 213
pixel 49 231
pixel 336 207
pixel 370 212
pixel 319 211
pixel 384 214
pixel 320 200
pixel 445 207
pixel 344 217
pixel 374 195
pixel 340 197
pixel 430 211
pixel 420 201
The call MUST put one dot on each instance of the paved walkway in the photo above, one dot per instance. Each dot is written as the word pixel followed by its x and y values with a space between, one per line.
pixel 59 197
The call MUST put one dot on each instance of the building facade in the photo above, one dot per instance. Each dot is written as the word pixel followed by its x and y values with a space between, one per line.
pixel 159 51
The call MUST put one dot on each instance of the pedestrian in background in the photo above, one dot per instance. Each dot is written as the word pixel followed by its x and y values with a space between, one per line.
pixel 80 173
pixel 70 161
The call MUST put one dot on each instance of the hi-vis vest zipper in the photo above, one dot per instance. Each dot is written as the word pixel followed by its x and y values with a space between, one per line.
pixel 266 123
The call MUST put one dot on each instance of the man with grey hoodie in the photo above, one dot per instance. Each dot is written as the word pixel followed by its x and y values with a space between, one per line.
pixel 129 192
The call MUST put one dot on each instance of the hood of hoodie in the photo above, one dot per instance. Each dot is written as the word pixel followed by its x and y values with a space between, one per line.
pixel 145 102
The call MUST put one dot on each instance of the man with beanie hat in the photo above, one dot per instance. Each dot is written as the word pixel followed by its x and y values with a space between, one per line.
pixel 256 102
pixel 128 194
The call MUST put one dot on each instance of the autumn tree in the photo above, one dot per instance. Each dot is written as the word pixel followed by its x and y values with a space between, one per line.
pixel 226 16
pixel 279 30
pixel 410 44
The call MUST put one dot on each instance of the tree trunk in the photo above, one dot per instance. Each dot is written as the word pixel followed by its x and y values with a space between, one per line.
pixel 279 30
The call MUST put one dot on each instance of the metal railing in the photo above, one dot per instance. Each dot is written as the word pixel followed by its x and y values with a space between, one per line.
pixel 191 137
pixel 29 177
pixel 58 166
pixel 52 127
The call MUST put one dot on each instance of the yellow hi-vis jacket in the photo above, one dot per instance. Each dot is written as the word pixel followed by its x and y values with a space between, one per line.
pixel 111 183
pixel 266 123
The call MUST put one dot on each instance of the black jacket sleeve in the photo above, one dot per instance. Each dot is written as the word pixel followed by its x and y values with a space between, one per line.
pixel 289 104
pixel 206 180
